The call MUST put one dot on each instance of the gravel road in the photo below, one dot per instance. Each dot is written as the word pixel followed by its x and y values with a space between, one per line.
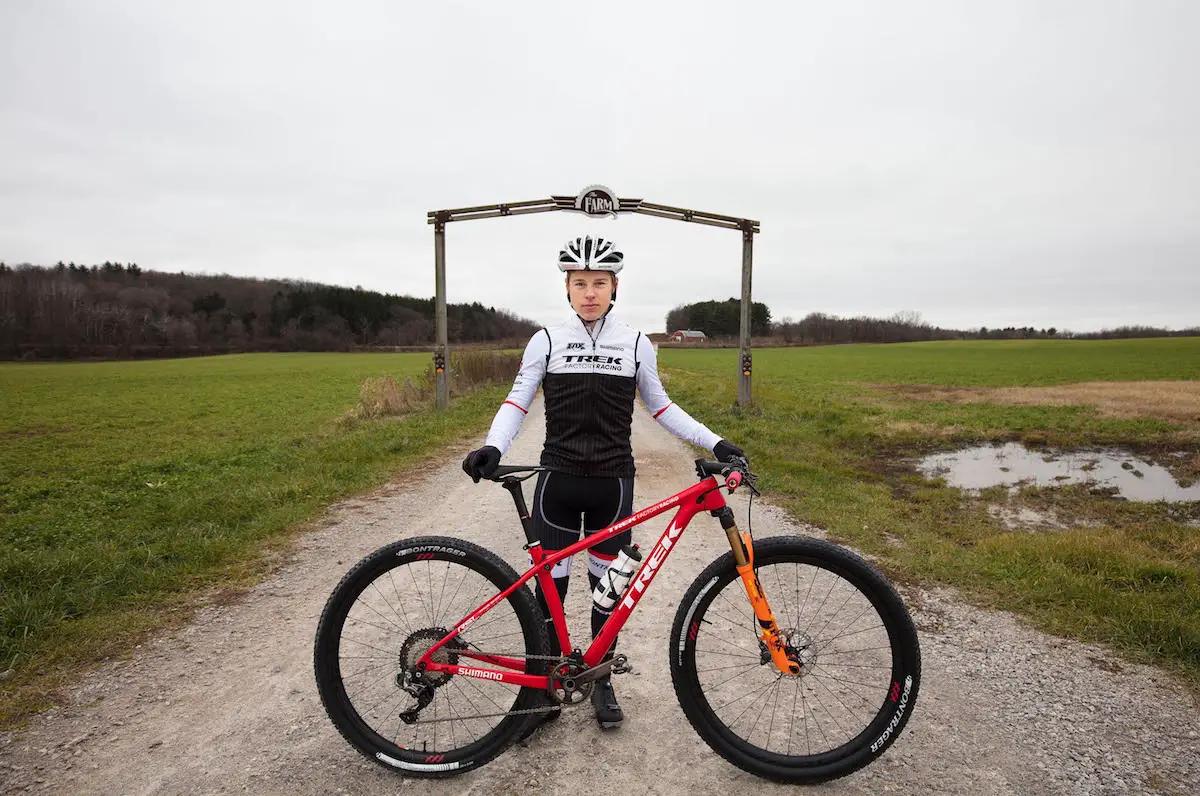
pixel 228 704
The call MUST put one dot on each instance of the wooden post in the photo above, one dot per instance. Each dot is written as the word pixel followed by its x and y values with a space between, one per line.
pixel 441 354
pixel 744 334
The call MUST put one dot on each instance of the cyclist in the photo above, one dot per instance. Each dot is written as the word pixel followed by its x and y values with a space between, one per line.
pixel 589 367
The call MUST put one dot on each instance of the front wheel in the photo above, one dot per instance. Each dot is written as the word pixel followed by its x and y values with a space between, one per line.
pixel 846 626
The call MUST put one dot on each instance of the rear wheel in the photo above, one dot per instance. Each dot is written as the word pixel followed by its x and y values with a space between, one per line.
pixel 845 625
pixel 386 613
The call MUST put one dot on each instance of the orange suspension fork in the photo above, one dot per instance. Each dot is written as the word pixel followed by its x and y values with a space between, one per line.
pixel 743 557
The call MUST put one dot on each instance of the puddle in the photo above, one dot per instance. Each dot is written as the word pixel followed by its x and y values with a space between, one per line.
pixel 1013 465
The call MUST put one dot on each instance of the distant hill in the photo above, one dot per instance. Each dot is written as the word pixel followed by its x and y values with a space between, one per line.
pixel 121 310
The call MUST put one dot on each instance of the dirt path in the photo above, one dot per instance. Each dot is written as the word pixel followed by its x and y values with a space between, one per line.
pixel 228 704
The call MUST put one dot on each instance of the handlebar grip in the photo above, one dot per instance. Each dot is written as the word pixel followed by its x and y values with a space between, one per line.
pixel 734 480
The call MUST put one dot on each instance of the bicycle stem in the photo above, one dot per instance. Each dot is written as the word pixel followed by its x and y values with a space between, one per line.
pixel 743 558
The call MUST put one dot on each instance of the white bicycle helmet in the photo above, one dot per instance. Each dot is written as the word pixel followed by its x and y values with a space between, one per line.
pixel 590 254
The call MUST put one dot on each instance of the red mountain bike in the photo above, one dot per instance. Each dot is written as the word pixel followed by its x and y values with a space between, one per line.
pixel 432 655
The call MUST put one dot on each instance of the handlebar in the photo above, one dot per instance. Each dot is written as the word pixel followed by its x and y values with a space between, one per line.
pixel 735 473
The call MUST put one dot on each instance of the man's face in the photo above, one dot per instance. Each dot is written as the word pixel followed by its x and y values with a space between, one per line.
pixel 590 293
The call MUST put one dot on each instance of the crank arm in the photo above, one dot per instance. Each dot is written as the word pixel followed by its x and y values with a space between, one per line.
pixel 618 664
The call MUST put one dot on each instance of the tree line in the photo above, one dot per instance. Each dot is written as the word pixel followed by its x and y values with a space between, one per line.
pixel 116 309
pixel 720 321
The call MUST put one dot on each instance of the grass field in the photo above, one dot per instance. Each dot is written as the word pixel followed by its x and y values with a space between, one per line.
pixel 834 432
pixel 127 486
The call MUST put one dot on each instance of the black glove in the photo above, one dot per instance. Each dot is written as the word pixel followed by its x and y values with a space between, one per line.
pixel 481 463
pixel 728 452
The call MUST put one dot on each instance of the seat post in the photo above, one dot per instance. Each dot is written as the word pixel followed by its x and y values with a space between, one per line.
pixel 513 485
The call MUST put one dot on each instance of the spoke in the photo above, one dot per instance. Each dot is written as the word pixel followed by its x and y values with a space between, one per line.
pixel 387 698
pixel 746 709
pixel 376 611
pixel 377 627
pixel 782 594
pixel 389 653
pixel 732 677
pixel 461 581
pixel 842 680
pixel 367 688
pixel 719 668
pixel 466 724
pixel 856 694
pixel 733 622
pixel 743 696
pixel 792 717
pixel 497 618
pixel 800 616
pixel 844 705
pixel 471 682
pixel 804 704
pixel 365 669
pixel 821 702
pixel 829 621
pixel 771 725
pixel 756 658
pixel 729 643
pixel 475 597
pixel 738 608
pixel 417 586
pixel 758 718
pixel 824 642
pixel 850 652
pixel 442 591
pixel 433 616
pixel 450 724
pixel 399 599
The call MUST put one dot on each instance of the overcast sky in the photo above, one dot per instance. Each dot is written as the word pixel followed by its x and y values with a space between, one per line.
pixel 1023 163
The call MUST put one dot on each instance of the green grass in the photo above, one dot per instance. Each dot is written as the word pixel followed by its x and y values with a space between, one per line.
pixel 125 487
pixel 836 452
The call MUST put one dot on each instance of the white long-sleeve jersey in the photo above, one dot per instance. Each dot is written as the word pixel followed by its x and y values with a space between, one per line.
pixel 589 378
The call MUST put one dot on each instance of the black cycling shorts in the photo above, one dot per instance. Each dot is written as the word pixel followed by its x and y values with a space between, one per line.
pixel 564 504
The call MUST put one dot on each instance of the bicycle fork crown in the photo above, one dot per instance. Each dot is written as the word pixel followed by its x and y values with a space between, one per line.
pixel 743 557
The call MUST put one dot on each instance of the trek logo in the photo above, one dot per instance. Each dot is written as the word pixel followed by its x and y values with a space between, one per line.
pixel 646 574
pixel 484 673
pixel 594 358
pixel 574 346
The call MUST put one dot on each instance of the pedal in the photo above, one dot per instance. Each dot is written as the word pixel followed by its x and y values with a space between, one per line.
pixel 621 665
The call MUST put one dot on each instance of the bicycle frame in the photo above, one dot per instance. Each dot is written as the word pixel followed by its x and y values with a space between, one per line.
pixel 703 496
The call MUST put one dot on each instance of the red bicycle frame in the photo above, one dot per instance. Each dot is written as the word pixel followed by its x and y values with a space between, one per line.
pixel 704 496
